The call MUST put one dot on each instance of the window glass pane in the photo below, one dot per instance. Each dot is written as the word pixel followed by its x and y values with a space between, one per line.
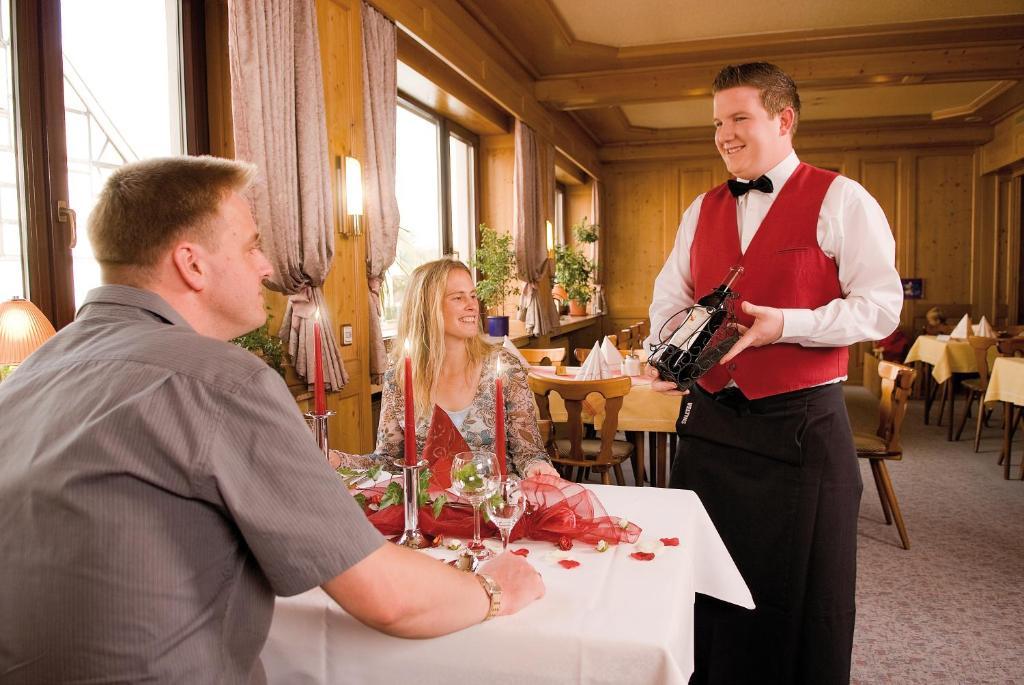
pixel 12 272
pixel 417 185
pixel 463 197
pixel 122 99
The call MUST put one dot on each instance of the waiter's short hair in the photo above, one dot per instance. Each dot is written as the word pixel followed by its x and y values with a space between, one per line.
pixel 778 90
pixel 144 207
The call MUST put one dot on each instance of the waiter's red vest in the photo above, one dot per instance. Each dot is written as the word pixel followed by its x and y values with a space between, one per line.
pixel 783 267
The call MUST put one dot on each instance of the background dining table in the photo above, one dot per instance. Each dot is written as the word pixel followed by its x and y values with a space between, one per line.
pixel 643 410
pixel 1006 385
pixel 947 357
pixel 612 619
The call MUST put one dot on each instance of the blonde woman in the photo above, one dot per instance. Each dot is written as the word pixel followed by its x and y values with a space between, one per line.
pixel 454 368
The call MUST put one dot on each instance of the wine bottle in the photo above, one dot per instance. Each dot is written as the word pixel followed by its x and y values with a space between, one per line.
pixel 687 355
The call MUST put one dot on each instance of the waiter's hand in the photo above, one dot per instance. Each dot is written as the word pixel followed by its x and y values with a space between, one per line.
pixel 766 329
pixel 666 387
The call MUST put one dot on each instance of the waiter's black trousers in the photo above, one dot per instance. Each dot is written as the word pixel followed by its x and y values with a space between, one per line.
pixel 780 480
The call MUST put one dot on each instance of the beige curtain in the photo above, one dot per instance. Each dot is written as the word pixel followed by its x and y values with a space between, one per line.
pixel 380 205
pixel 597 217
pixel 277 105
pixel 536 308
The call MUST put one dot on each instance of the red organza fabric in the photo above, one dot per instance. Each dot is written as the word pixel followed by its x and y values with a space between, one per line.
pixel 555 507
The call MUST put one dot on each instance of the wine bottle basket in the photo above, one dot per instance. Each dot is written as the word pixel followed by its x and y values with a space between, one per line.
pixel 686 366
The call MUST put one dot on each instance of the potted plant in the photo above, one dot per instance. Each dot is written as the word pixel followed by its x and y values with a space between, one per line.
pixel 495 259
pixel 584 232
pixel 572 271
pixel 264 345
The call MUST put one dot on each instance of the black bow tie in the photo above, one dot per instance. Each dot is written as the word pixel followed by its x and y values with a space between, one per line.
pixel 739 188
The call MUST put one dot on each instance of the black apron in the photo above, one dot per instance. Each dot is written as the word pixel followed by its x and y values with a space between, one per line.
pixel 780 480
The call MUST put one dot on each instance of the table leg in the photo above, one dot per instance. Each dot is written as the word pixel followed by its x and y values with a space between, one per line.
pixel 928 389
pixel 662 440
pixel 1007 435
pixel 952 401
pixel 652 450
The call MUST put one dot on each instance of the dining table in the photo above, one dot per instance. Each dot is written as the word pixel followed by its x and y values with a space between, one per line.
pixel 1006 385
pixel 949 359
pixel 611 619
pixel 643 410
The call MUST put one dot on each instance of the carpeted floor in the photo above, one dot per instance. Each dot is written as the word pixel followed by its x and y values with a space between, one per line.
pixel 951 609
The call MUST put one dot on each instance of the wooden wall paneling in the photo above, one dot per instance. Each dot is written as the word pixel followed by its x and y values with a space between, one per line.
pixel 943 223
pixel 445 28
pixel 986 251
pixel 340 29
pixel 218 80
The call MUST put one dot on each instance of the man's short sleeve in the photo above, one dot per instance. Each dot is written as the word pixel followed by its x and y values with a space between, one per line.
pixel 263 466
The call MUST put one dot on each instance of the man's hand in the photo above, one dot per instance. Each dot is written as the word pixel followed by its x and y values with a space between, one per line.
pixel 666 387
pixel 520 582
pixel 766 329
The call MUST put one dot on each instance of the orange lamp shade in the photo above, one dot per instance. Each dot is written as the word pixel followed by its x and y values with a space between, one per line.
pixel 23 328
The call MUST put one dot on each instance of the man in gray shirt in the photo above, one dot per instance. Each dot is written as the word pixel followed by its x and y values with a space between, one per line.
pixel 158 486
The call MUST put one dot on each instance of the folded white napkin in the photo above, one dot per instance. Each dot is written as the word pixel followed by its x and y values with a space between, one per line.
pixel 984 329
pixel 593 367
pixel 508 345
pixel 962 328
pixel 611 357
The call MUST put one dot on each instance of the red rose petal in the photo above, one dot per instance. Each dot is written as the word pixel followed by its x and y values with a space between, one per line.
pixel 643 556
pixel 564 543
pixel 670 542
pixel 522 551
pixel 568 563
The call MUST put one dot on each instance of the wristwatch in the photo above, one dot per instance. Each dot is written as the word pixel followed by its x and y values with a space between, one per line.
pixel 493 591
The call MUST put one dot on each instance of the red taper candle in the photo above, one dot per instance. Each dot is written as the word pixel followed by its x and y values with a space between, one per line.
pixel 410 412
pixel 499 421
pixel 319 397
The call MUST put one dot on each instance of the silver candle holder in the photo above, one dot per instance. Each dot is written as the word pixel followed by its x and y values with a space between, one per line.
pixel 411 537
pixel 318 424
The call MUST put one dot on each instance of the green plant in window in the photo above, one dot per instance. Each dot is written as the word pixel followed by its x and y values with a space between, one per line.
pixel 495 258
pixel 267 347
pixel 584 232
pixel 572 271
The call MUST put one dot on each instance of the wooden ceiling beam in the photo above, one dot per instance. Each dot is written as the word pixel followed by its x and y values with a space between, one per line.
pixel 886 67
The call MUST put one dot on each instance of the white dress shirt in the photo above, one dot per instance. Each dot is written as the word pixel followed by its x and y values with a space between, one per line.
pixel 852 230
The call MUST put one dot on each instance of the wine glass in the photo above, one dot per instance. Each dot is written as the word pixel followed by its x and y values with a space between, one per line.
pixel 475 476
pixel 506 506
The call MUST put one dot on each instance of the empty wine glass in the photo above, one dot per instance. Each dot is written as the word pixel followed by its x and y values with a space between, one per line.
pixel 475 476
pixel 506 506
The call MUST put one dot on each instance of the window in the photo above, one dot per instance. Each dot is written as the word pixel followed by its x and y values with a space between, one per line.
pixel 559 214
pixel 85 87
pixel 435 181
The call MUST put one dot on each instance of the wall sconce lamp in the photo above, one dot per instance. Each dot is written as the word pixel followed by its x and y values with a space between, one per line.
pixel 23 328
pixel 354 192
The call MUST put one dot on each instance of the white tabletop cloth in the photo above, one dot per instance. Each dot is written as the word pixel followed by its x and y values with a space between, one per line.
pixel 612 619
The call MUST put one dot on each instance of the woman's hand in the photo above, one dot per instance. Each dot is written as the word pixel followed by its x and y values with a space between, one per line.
pixel 541 468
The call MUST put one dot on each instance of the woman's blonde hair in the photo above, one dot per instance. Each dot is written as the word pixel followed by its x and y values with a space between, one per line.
pixel 421 323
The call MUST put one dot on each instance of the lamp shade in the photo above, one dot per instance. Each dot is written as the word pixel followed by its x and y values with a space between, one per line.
pixel 23 328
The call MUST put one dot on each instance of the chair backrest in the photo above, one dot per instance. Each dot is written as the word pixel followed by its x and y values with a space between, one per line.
pixel 539 356
pixel 897 381
pixel 573 393
pixel 1011 347
pixel 625 339
pixel 1015 330
pixel 981 346
pixel 581 353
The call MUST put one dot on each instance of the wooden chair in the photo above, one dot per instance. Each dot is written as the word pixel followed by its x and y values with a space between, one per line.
pixel 585 455
pixel 1012 417
pixel 543 357
pixel 884 444
pixel 581 353
pixel 976 387
pixel 625 339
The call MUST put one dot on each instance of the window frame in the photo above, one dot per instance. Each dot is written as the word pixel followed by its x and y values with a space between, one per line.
pixel 38 83
pixel 447 128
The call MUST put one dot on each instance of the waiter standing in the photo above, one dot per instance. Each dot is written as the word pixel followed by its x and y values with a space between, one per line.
pixel 765 440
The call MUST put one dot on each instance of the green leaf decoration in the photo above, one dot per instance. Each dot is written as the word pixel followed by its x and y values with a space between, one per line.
pixel 360 499
pixel 437 504
pixel 392 496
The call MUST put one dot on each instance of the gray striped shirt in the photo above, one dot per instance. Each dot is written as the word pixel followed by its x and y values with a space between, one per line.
pixel 157 488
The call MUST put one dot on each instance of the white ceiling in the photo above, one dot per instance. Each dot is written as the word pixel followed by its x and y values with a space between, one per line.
pixel 878 101
pixel 623 23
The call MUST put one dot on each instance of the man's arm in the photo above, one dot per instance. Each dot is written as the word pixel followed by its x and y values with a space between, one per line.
pixel 408 594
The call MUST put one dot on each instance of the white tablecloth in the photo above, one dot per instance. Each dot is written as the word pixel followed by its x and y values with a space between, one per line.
pixel 612 619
